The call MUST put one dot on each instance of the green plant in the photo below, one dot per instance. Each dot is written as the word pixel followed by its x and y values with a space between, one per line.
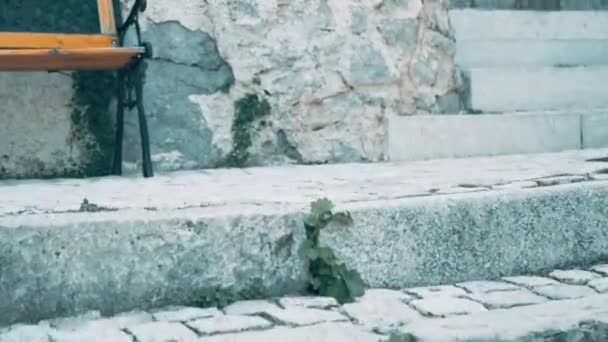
pixel 328 276
pixel 90 207
pixel 246 111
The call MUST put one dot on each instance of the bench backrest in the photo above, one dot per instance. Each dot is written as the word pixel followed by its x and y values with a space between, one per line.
pixel 107 36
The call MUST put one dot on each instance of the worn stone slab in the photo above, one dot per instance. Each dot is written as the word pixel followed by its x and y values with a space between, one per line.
pixel 249 307
pixel 484 286
pixel 183 314
pixel 601 269
pixel 507 53
pixel 460 136
pixel 574 277
pixel 530 281
pixel 328 332
pixel 228 324
pixel 446 306
pixel 507 299
pixel 436 291
pixel 564 291
pixel 599 285
pixel 297 316
pixel 569 320
pixel 309 302
pixel 594 126
pixel 472 24
pixel 162 332
pixel 252 220
pixel 381 309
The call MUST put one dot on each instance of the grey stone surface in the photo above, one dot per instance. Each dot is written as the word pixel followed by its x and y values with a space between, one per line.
pixel 228 324
pixel 249 307
pixel 36 126
pixel 601 269
pixel 163 332
pixel 183 314
pixel 552 5
pixel 309 302
pixel 59 263
pixel 474 24
pixel 507 299
pixel 296 316
pixel 437 291
pixel 574 277
pixel 594 127
pixel 446 306
pixel 569 320
pixel 564 291
pixel 530 281
pixel 381 309
pixel 497 90
pixel 330 332
pixel 457 136
pixel 484 286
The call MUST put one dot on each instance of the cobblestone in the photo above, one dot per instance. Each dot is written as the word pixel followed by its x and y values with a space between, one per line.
pixel 486 286
pixel 309 302
pixel 183 314
pixel 531 281
pixel 522 308
pixel 437 291
pixel 599 285
pixel 507 299
pixel 564 291
pixel 250 307
pixel 163 332
pixel 446 306
pixel 601 269
pixel 228 324
pixel 574 277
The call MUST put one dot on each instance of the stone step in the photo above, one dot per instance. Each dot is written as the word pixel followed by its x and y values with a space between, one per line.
pixel 526 38
pixel 551 5
pixel 497 90
pixel 143 243
pixel 526 53
pixel 459 136
pixel 471 24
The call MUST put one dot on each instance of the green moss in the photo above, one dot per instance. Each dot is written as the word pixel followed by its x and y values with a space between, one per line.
pixel 91 116
pixel 248 111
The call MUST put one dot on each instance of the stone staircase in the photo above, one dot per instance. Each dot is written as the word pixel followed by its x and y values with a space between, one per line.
pixel 533 81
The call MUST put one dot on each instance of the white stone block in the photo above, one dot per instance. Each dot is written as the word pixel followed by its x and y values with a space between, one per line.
pixel 520 52
pixel 595 129
pixel 471 24
pixel 497 90
pixel 455 136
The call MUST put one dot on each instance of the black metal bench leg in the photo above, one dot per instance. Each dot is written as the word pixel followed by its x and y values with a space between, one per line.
pixel 120 124
pixel 143 129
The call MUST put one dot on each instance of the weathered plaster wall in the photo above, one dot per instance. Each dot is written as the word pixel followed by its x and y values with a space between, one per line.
pixel 331 70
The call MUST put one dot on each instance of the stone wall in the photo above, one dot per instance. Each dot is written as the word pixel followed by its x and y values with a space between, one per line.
pixel 330 73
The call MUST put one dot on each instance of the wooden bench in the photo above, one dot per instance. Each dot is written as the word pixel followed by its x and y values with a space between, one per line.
pixel 21 51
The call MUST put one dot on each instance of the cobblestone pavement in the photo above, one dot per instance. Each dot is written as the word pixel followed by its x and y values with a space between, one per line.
pixel 565 305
